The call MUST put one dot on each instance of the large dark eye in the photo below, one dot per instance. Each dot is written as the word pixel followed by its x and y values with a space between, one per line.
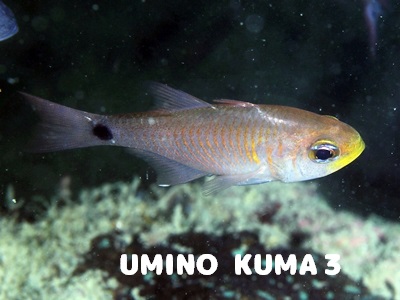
pixel 323 154
pixel 323 151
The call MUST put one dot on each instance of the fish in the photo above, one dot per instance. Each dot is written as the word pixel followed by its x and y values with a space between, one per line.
pixel 373 10
pixel 185 138
pixel 8 24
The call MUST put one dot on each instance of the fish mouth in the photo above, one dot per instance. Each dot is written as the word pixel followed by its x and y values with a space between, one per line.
pixel 355 149
pixel 359 148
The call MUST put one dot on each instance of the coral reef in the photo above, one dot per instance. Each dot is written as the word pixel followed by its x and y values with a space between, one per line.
pixel 224 283
pixel 73 251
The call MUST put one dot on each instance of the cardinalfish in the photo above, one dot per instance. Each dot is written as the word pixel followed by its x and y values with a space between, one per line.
pixel 185 138
pixel 373 10
pixel 8 24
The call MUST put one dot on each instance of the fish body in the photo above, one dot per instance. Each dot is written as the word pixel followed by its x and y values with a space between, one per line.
pixel 8 24
pixel 186 138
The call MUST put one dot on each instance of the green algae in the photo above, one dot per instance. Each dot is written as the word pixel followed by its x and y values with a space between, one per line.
pixel 38 259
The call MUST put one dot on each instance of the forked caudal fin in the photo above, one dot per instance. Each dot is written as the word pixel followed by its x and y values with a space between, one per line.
pixel 63 128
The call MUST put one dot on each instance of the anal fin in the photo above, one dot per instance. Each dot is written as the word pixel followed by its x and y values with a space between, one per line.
pixel 169 172
pixel 222 182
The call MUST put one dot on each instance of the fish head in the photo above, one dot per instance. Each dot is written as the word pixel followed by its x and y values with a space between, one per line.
pixel 327 146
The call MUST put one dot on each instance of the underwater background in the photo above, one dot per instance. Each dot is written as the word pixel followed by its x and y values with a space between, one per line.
pixel 66 217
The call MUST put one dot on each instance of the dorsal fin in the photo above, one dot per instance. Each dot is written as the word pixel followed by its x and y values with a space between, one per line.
pixel 331 117
pixel 170 99
pixel 234 103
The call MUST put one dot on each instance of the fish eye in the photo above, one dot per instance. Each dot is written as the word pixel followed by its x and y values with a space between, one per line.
pixel 323 152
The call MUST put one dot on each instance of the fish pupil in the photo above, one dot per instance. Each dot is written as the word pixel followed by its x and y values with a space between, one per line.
pixel 323 154
pixel 102 132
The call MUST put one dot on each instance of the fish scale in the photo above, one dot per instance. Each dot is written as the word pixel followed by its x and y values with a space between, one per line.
pixel 196 140
pixel 185 138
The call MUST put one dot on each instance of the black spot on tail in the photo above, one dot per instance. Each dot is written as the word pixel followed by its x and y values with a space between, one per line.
pixel 102 132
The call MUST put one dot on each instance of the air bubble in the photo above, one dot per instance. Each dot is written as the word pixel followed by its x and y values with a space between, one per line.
pixel 254 23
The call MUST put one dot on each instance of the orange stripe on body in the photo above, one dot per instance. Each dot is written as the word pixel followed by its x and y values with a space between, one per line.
pixel 185 142
pixel 219 145
pixel 254 155
pixel 228 147
pixel 206 162
pixel 280 148
pixel 269 155
pixel 213 152
pixel 187 152
pixel 193 148
pixel 246 143
pixel 223 140
pixel 294 159
pixel 232 144
pixel 238 143
pixel 175 134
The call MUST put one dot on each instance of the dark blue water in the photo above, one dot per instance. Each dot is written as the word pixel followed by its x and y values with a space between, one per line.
pixel 96 56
